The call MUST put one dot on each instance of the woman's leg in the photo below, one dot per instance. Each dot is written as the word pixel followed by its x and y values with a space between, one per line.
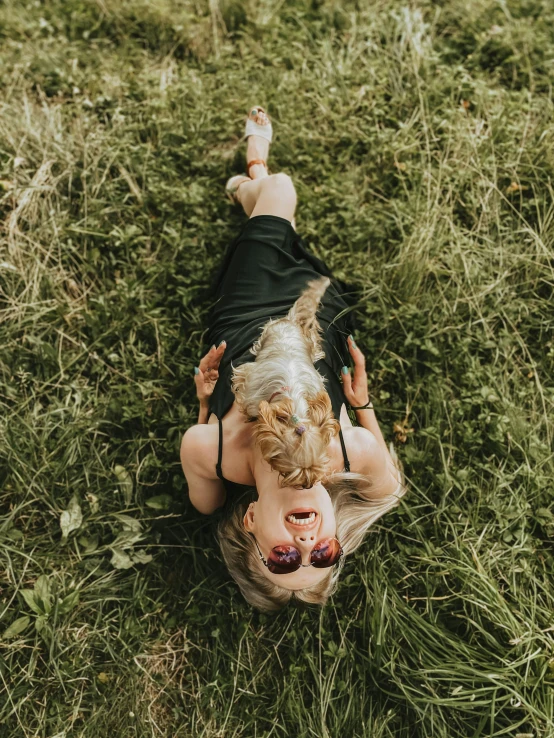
pixel 265 194
pixel 270 195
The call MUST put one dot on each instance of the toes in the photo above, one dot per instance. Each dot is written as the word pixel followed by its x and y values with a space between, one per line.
pixel 259 116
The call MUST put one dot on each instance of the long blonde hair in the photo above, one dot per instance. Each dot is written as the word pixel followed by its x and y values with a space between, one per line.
pixel 357 505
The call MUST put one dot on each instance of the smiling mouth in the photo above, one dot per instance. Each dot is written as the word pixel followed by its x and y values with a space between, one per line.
pixel 301 517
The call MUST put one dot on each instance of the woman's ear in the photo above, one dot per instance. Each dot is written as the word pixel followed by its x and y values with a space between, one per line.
pixel 249 518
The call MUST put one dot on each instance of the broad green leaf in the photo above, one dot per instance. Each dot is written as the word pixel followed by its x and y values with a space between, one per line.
pixel 69 603
pixel 17 627
pixel 128 522
pixel 42 593
pixel 71 518
pixel 40 623
pixel 120 560
pixel 127 538
pixel 141 557
pixel 89 543
pixel 160 502
pixel 14 534
pixel 126 482
pixel 29 597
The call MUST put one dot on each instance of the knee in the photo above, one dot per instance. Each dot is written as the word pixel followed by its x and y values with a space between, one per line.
pixel 282 184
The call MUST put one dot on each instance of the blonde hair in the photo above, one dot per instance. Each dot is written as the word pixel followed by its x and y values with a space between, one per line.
pixel 284 370
pixel 356 505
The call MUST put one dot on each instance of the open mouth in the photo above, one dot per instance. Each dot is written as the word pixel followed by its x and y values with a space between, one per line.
pixel 301 517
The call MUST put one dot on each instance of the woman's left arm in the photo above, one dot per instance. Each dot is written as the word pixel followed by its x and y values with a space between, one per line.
pixel 371 448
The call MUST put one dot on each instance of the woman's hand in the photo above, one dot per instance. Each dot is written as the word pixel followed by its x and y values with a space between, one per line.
pixel 355 387
pixel 206 373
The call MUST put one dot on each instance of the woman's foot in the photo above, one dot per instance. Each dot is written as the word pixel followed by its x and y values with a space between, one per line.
pixel 259 134
pixel 232 187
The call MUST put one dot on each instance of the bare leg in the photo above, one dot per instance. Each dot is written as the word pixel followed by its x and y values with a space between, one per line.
pixel 265 194
pixel 270 195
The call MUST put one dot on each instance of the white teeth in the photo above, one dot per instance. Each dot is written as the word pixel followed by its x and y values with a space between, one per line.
pixel 301 521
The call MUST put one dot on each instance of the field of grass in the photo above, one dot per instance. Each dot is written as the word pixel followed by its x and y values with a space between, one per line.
pixel 421 139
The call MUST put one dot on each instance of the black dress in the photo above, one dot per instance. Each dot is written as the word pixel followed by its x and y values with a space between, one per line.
pixel 264 271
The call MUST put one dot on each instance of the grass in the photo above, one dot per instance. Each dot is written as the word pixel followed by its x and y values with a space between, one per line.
pixel 421 140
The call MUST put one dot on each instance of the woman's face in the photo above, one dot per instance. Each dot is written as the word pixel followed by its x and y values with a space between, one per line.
pixel 292 517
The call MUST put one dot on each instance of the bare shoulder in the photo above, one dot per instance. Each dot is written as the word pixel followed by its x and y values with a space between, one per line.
pixel 199 458
pixel 368 456
pixel 362 447
pixel 199 449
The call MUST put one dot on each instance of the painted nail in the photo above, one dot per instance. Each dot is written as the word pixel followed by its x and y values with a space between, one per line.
pixel 222 343
pixel 352 341
pixel 254 111
pixel 213 347
pixel 196 370
pixel 344 370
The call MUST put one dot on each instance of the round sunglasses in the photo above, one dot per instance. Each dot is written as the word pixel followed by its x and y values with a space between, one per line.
pixel 286 559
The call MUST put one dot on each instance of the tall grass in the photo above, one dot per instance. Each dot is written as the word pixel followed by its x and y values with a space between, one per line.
pixel 420 138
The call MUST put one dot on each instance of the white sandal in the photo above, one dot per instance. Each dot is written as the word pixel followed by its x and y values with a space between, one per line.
pixel 255 129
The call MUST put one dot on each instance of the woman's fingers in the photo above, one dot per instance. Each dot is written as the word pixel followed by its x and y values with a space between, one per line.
pixel 355 390
pixel 346 382
pixel 213 358
pixel 356 354
pixel 360 376
pixel 198 377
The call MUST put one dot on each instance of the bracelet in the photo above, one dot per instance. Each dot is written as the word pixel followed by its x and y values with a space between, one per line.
pixel 369 406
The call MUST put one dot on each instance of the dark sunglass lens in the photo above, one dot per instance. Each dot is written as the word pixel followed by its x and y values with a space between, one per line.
pixel 326 553
pixel 284 560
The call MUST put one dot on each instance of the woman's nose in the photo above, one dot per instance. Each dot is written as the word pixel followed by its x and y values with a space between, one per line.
pixel 305 543
pixel 306 540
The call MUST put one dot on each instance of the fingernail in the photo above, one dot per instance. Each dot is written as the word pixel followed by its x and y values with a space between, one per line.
pixel 196 370
pixel 352 340
pixel 213 347
pixel 344 370
pixel 223 343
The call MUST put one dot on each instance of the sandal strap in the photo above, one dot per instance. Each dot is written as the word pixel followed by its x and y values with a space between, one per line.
pixel 254 162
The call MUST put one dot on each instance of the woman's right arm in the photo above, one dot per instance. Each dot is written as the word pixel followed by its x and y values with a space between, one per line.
pixel 200 443
pixel 206 491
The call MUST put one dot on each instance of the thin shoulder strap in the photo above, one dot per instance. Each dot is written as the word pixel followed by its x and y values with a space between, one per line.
pixel 344 454
pixel 219 450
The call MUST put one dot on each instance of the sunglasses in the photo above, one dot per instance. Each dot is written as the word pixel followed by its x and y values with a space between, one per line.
pixel 286 559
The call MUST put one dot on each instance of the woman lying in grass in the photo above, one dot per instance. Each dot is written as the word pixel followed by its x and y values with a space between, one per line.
pixel 274 445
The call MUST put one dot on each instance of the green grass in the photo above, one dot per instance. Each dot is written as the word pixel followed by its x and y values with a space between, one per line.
pixel 421 140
